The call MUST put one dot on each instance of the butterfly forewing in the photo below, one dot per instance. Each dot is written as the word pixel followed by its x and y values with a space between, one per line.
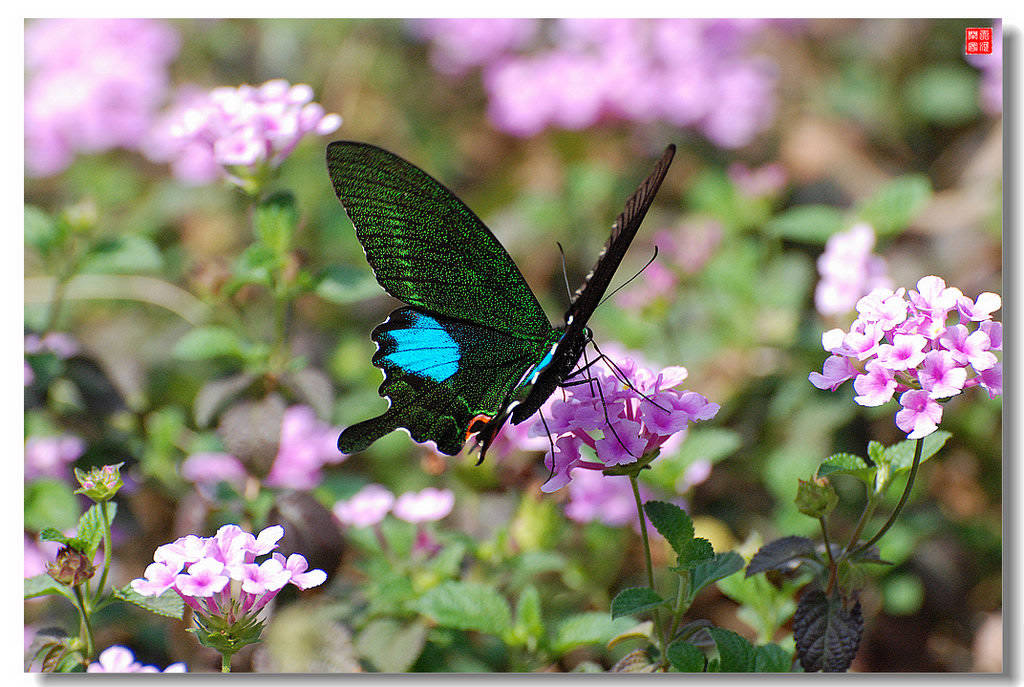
pixel 426 247
pixel 589 294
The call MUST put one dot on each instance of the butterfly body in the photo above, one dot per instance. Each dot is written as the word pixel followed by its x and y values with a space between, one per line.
pixel 473 347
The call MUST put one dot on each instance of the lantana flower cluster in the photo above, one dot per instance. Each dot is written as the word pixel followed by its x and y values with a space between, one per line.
pixel 219 575
pixel 92 85
pixel 119 659
pixel 573 73
pixel 903 343
pixel 372 503
pixel 239 133
pixel 849 270
pixel 615 421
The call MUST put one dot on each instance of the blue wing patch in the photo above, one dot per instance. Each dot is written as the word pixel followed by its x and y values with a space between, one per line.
pixel 424 348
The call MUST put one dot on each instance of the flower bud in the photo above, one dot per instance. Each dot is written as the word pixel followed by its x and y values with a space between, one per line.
pixel 816 498
pixel 72 567
pixel 100 484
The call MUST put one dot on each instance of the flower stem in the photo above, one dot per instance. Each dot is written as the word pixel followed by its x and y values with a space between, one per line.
pixel 650 565
pixel 105 511
pixel 86 626
pixel 903 500
pixel 225 663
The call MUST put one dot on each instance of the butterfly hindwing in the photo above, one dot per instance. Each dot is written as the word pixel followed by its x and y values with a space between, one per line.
pixel 440 374
pixel 426 247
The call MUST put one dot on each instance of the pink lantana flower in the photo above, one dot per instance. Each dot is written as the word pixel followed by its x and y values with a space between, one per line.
pixel 366 508
pixel 905 345
pixel 424 506
pixel 848 270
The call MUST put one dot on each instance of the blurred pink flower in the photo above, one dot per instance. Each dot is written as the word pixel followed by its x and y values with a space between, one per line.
pixel 307 444
pixel 424 506
pixel 119 659
pixel 91 85
pixel 49 456
pixel 367 507
pixel 848 270
pixel 237 133
pixel 575 73
pixel 606 499
pixel 209 468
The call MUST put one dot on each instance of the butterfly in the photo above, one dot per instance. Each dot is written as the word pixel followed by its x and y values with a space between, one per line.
pixel 473 348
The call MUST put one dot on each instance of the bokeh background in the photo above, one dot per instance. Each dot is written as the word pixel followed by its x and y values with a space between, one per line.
pixel 789 132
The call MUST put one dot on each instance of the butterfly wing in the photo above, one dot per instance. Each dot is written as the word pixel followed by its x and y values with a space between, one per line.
pixel 590 292
pixel 426 247
pixel 587 297
pixel 475 327
pixel 440 375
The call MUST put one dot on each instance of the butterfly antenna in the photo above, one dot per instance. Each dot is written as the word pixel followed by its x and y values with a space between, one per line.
pixel 625 283
pixel 621 376
pixel 608 422
pixel 551 441
pixel 565 275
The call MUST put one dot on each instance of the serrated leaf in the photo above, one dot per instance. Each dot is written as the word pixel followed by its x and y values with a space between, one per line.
pixel 90 527
pixel 876 451
pixel 50 503
pixel 781 554
pixel 206 343
pixel 466 606
pixel 826 634
pixel 43 584
pixel 901 456
pixel 893 206
pixel 847 464
pixel 735 653
pixel 772 658
pixel 694 551
pixel 635 600
pixel 167 604
pixel 685 657
pixel 714 569
pixel 53 534
pixel 644 630
pixel 807 223
pixel 594 627
pixel 672 522
pixel 391 646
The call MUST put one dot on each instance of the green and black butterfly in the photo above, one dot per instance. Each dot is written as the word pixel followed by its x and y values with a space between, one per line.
pixel 473 347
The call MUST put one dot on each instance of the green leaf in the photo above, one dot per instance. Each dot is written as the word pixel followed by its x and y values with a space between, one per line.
pixel 447 561
pixel 255 265
pixel 345 284
pixel 897 203
pixel 167 604
pixel 391 646
pixel 588 628
pixel 709 571
pixel 90 527
pixel 772 658
pixel 672 522
pixel 466 606
pixel 901 456
pixel 529 620
pixel 946 94
pixel 876 452
pixel 40 230
pixel 685 657
pixel 807 223
pixel 43 585
pixel 635 600
pixel 205 343
pixel 735 653
pixel 127 254
pixel 275 221
pixel 696 550
pixel 50 503
pixel 53 534
pixel 847 464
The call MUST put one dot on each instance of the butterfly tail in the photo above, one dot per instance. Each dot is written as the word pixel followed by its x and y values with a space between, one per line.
pixel 420 424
